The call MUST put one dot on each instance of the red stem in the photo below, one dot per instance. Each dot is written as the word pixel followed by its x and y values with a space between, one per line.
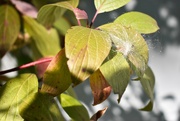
pixel 26 65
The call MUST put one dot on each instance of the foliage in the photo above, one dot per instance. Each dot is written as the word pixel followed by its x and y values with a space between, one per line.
pixel 66 53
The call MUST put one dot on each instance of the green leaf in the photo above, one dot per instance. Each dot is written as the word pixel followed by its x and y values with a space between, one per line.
pixel 10 26
pixel 141 22
pixel 99 86
pixel 62 25
pixel 74 108
pixel 86 49
pixel 48 14
pixel 148 107
pixel 40 107
pixel 57 77
pixel 117 72
pixel 109 5
pixel 47 42
pixel 13 93
pixel 130 43
pixel 148 82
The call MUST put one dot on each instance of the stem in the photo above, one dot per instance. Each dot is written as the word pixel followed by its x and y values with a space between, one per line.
pixel 79 23
pixel 26 65
pixel 92 22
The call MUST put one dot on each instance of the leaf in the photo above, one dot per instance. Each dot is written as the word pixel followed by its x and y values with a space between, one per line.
pixel 40 107
pixel 74 108
pixel 98 114
pixel 148 82
pixel 148 107
pixel 80 14
pixel 141 22
pixel 109 5
pixel 13 93
pixel 86 49
pixel 47 42
pixel 10 26
pixel 130 43
pixel 25 8
pixel 117 73
pixel 99 86
pixel 62 25
pixel 48 14
pixel 57 77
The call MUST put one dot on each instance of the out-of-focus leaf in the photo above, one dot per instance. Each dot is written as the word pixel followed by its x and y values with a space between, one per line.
pixel 109 5
pixel 86 49
pixel 57 77
pixel 148 82
pixel 48 14
pixel 47 42
pixel 13 93
pixel 9 28
pixel 71 92
pixel 98 114
pixel 141 22
pixel 99 86
pixel 117 72
pixel 39 3
pixel 40 107
pixel 25 8
pixel 130 43
pixel 74 108
pixel 62 25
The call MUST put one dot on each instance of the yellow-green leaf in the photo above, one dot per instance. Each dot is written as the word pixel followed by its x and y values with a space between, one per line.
pixel 109 5
pixel 46 42
pixel 48 14
pixel 129 42
pixel 116 71
pixel 74 108
pixel 86 49
pixel 57 77
pixel 13 93
pixel 148 81
pixel 40 107
pixel 141 22
pixel 9 28
pixel 99 86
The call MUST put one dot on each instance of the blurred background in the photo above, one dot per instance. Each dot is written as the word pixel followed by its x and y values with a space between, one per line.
pixel 164 48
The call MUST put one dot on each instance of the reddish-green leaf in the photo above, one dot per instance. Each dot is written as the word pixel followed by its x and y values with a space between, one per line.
pixel 46 42
pixel 74 108
pixel 109 5
pixel 40 107
pixel 57 77
pixel 13 93
pixel 86 49
pixel 116 71
pixel 100 88
pixel 9 28
pixel 98 114
pixel 130 43
pixel 141 22
pixel 48 14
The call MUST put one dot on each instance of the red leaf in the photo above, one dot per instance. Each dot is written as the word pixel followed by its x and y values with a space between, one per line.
pixel 80 14
pixel 100 88
pixel 97 115
pixel 25 8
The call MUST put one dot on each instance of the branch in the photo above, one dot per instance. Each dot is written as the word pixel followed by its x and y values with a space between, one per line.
pixel 40 61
